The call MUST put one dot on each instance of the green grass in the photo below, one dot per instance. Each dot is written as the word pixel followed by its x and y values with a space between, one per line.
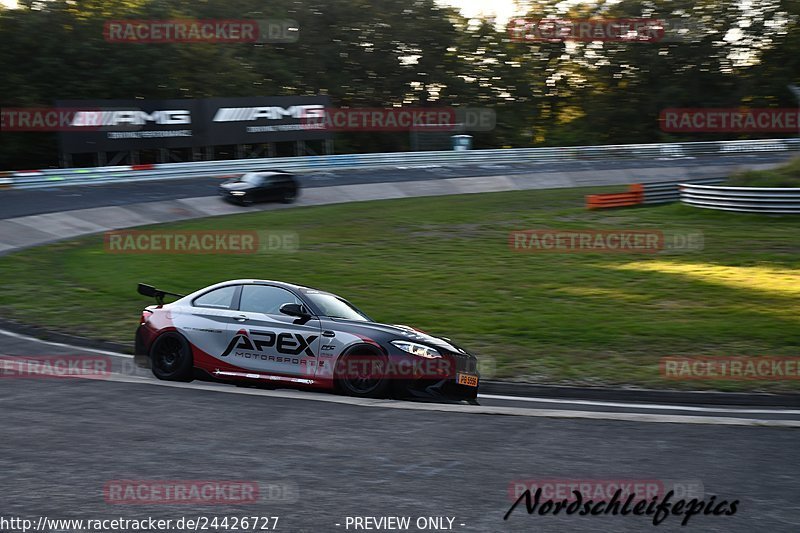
pixel 787 175
pixel 443 264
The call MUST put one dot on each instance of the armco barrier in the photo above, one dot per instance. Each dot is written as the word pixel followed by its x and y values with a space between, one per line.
pixel 5 180
pixel 164 171
pixel 743 199
pixel 669 191
pixel 644 193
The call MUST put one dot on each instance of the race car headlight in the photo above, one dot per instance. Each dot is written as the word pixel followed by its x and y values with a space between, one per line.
pixel 417 349
pixel 238 193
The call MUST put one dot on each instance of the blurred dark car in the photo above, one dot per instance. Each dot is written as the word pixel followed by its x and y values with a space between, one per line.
pixel 266 186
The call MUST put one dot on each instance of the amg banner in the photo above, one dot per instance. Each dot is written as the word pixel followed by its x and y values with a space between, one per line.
pixel 263 119
pixel 122 125
pixel 111 125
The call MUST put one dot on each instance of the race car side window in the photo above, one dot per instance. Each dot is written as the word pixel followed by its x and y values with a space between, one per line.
pixel 265 299
pixel 221 298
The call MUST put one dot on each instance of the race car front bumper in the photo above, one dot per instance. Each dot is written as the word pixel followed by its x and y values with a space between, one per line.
pixel 461 367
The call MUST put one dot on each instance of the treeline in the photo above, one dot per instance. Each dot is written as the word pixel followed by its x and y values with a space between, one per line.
pixel 376 53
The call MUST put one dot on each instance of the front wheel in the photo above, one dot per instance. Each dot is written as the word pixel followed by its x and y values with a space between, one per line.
pixel 289 196
pixel 171 358
pixel 362 374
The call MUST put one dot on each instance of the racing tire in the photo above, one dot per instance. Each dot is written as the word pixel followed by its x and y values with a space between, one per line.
pixel 289 196
pixel 360 372
pixel 171 358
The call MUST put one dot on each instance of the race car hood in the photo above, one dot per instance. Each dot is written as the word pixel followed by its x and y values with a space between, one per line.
pixel 390 332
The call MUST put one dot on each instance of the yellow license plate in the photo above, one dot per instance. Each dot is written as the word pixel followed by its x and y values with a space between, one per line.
pixel 467 379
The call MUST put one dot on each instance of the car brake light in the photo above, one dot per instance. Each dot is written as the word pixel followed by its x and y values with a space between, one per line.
pixel 145 316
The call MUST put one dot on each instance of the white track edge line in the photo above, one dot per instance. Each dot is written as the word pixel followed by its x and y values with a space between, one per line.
pixel 656 406
pixel 469 409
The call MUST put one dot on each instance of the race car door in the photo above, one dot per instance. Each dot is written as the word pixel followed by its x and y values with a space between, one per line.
pixel 207 322
pixel 270 342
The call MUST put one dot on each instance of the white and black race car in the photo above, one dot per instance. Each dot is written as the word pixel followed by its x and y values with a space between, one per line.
pixel 261 332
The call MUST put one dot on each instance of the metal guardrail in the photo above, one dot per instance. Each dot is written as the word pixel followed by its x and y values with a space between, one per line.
pixel 743 199
pixel 658 192
pixel 669 191
pixel 164 171
pixel 5 180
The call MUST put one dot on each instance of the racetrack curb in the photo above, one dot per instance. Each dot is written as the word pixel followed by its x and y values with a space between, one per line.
pixel 63 338
pixel 507 388
pixel 755 399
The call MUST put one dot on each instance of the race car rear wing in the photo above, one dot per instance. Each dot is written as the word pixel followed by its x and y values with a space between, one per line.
pixel 158 294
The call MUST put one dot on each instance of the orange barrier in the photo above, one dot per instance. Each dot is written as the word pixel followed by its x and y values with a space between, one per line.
pixel 634 196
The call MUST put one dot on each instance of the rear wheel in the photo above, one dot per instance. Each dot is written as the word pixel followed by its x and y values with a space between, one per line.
pixel 171 358
pixel 362 372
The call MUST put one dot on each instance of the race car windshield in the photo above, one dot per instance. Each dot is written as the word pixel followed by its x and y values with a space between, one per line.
pixel 252 179
pixel 335 307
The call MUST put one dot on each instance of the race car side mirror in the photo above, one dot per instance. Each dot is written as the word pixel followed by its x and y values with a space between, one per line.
pixel 295 310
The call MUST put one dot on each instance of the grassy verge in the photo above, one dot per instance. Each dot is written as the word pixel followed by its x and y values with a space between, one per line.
pixel 444 265
pixel 787 175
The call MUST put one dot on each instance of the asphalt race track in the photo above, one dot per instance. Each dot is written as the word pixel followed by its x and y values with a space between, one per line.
pixel 23 202
pixel 320 458
pixel 326 457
